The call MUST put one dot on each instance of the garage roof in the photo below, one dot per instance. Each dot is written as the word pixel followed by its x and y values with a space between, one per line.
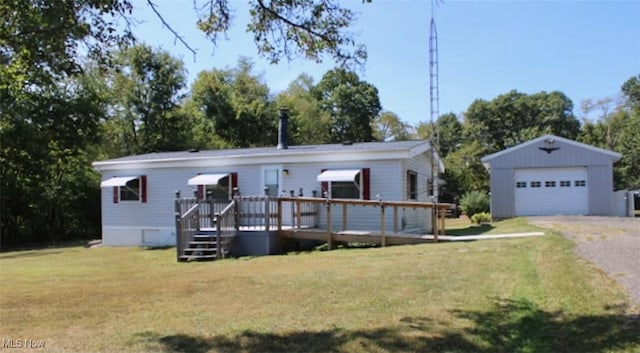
pixel 548 147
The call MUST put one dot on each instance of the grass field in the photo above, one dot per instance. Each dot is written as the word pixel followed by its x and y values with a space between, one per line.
pixel 462 226
pixel 517 295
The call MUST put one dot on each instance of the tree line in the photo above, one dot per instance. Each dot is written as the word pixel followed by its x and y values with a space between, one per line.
pixel 74 88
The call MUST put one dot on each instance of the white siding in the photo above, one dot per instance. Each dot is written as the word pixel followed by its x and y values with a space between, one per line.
pixel 130 222
pixel 153 223
pixel 417 219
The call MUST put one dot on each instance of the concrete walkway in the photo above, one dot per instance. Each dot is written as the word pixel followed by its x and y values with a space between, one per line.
pixel 487 236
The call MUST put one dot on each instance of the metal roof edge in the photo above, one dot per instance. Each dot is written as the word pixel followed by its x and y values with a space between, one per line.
pixel 385 153
pixel 615 156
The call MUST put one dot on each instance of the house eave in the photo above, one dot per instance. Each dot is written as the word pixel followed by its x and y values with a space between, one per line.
pixel 240 160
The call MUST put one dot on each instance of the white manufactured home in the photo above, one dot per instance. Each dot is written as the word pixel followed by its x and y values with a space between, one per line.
pixel 138 192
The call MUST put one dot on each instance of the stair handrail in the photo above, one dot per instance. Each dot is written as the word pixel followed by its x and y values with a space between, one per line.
pixel 226 228
pixel 187 225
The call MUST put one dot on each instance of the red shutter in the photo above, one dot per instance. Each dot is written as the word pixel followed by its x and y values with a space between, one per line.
pixel 234 181
pixel 364 183
pixel 143 188
pixel 200 194
pixel 324 186
pixel 116 194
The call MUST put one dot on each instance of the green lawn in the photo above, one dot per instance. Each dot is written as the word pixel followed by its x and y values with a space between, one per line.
pixel 462 226
pixel 517 295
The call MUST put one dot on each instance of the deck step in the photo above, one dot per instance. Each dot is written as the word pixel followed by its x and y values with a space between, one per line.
pixel 204 236
pixel 198 242
pixel 193 257
pixel 198 257
pixel 200 249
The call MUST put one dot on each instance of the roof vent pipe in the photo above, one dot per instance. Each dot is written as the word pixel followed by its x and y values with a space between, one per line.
pixel 283 126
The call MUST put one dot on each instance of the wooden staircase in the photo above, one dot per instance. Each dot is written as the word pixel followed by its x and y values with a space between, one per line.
pixel 205 231
pixel 204 247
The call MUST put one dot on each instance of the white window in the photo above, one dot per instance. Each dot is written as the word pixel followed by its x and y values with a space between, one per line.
pixel 345 184
pixel 214 186
pixel 549 184
pixel 217 192
pixel 130 191
pixel 345 189
pixel 412 185
pixel 580 183
pixel 128 188
pixel 565 183
pixel 521 184
pixel 536 184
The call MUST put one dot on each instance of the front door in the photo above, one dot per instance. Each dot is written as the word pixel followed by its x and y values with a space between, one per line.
pixel 271 180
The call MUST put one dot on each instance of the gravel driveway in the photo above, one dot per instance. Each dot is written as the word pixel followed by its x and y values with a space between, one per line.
pixel 612 243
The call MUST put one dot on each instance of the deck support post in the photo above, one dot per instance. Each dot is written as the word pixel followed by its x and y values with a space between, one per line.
pixel 344 216
pixel 267 214
pixel 299 214
pixel 279 214
pixel 219 249
pixel 329 230
pixel 293 213
pixel 395 219
pixel 178 215
pixel 212 212
pixel 434 222
pixel 236 213
pixel 383 226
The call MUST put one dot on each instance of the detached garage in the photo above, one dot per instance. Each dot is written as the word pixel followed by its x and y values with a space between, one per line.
pixel 551 175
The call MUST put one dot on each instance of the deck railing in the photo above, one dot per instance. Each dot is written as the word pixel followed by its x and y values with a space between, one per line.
pixel 278 213
pixel 437 210
pixel 257 212
pixel 207 210
pixel 273 213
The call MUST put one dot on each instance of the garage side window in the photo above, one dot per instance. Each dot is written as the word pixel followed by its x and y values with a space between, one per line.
pixel 412 185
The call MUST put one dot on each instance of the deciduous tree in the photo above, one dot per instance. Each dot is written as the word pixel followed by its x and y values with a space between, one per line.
pixel 146 91
pixel 308 123
pixel 234 107
pixel 388 127
pixel 515 117
pixel 351 103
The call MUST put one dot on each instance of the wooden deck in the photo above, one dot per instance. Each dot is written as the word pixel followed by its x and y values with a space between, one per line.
pixel 264 213
pixel 355 236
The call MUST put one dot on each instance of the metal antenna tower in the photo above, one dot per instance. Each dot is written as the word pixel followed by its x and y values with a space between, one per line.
pixel 434 100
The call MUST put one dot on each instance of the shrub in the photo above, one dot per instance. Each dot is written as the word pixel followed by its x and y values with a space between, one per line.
pixel 474 202
pixel 482 217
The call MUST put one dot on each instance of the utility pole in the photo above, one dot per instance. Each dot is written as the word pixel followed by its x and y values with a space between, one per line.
pixel 434 99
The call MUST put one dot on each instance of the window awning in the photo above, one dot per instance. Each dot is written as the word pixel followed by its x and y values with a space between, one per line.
pixel 339 175
pixel 207 179
pixel 117 181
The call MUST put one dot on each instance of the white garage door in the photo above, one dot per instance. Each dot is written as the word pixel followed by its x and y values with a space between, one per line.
pixel 551 191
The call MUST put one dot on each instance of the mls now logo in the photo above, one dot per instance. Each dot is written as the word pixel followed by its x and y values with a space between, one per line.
pixel 22 343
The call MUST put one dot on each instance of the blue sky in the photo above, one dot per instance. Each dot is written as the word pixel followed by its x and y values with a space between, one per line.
pixel 585 49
